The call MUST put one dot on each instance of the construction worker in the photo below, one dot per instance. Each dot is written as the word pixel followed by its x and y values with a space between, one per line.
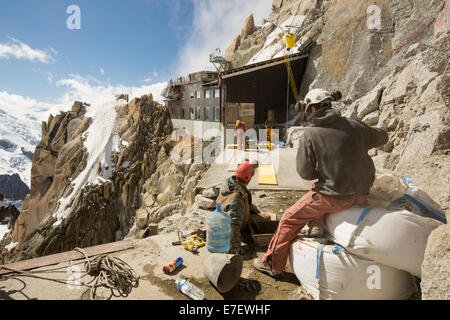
pixel 334 150
pixel 236 200
pixel 239 131
pixel 269 135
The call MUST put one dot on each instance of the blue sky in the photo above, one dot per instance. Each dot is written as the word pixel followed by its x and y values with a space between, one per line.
pixel 132 45
pixel 130 40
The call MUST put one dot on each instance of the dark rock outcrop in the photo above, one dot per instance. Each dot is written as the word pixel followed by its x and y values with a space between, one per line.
pixel 8 215
pixel 12 187
pixel 26 153
pixel 6 144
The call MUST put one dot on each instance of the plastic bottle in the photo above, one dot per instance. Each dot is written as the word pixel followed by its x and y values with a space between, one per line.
pixel 408 180
pixel 218 231
pixel 189 289
pixel 172 266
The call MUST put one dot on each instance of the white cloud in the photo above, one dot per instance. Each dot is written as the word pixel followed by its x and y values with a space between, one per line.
pixel 78 88
pixel 20 106
pixel 21 116
pixel 102 71
pixel 215 25
pixel 20 50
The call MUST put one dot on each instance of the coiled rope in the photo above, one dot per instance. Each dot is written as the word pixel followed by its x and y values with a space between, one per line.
pixel 108 272
pixel 112 273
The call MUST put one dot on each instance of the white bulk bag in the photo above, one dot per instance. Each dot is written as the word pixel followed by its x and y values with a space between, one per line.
pixel 386 188
pixel 419 202
pixel 329 273
pixel 390 191
pixel 394 238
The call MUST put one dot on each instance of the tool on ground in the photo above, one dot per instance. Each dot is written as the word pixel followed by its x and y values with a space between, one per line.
pixel 249 284
pixel 171 267
pixel 201 232
pixel 192 244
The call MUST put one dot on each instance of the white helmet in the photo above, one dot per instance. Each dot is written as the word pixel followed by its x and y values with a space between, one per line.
pixel 317 96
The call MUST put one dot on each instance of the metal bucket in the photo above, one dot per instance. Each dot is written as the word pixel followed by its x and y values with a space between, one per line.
pixel 223 270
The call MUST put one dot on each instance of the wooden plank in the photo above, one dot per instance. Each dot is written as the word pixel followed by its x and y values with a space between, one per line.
pixel 66 256
pixel 267 175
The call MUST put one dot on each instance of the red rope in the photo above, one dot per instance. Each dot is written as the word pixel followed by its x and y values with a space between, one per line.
pixel 424 29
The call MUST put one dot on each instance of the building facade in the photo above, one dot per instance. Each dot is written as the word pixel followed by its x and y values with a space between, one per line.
pixel 195 97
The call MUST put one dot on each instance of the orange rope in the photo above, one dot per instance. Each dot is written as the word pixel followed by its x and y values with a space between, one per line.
pixel 420 33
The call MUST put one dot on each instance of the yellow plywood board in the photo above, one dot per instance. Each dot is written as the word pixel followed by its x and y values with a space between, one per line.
pixel 267 175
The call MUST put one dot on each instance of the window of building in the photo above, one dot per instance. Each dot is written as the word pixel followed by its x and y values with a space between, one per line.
pixel 198 94
pixel 199 115
pixel 207 94
pixel 191 113
pixel 207 113
pixel 217 93
pixel 217 114
pixel 192 95
pixel 182 113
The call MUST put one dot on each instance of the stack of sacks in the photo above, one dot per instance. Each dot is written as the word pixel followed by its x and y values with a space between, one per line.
pixel 385 241
pixel 328 272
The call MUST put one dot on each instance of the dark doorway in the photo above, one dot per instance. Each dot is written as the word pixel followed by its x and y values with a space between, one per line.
pixel 266 88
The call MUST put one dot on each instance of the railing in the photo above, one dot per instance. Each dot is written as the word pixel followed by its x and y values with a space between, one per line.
pixel 194 77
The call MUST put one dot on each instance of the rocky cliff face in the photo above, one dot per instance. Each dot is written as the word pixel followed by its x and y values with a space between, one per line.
pixel 391 61
pixel 87 176
pixel 169 195
pixel 405 90
pixel 12 187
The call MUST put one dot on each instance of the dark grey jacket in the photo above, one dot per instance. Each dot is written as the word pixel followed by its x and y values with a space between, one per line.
pixel 334 150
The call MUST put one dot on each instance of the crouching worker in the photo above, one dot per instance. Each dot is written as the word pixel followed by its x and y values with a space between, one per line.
pixel 334 150
pixel 236 200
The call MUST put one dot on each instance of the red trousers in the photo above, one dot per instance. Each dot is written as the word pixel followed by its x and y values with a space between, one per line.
pixel 312 206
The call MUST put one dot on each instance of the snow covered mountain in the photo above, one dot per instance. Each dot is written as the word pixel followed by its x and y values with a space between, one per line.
pixel 21 118
pixel 18 139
